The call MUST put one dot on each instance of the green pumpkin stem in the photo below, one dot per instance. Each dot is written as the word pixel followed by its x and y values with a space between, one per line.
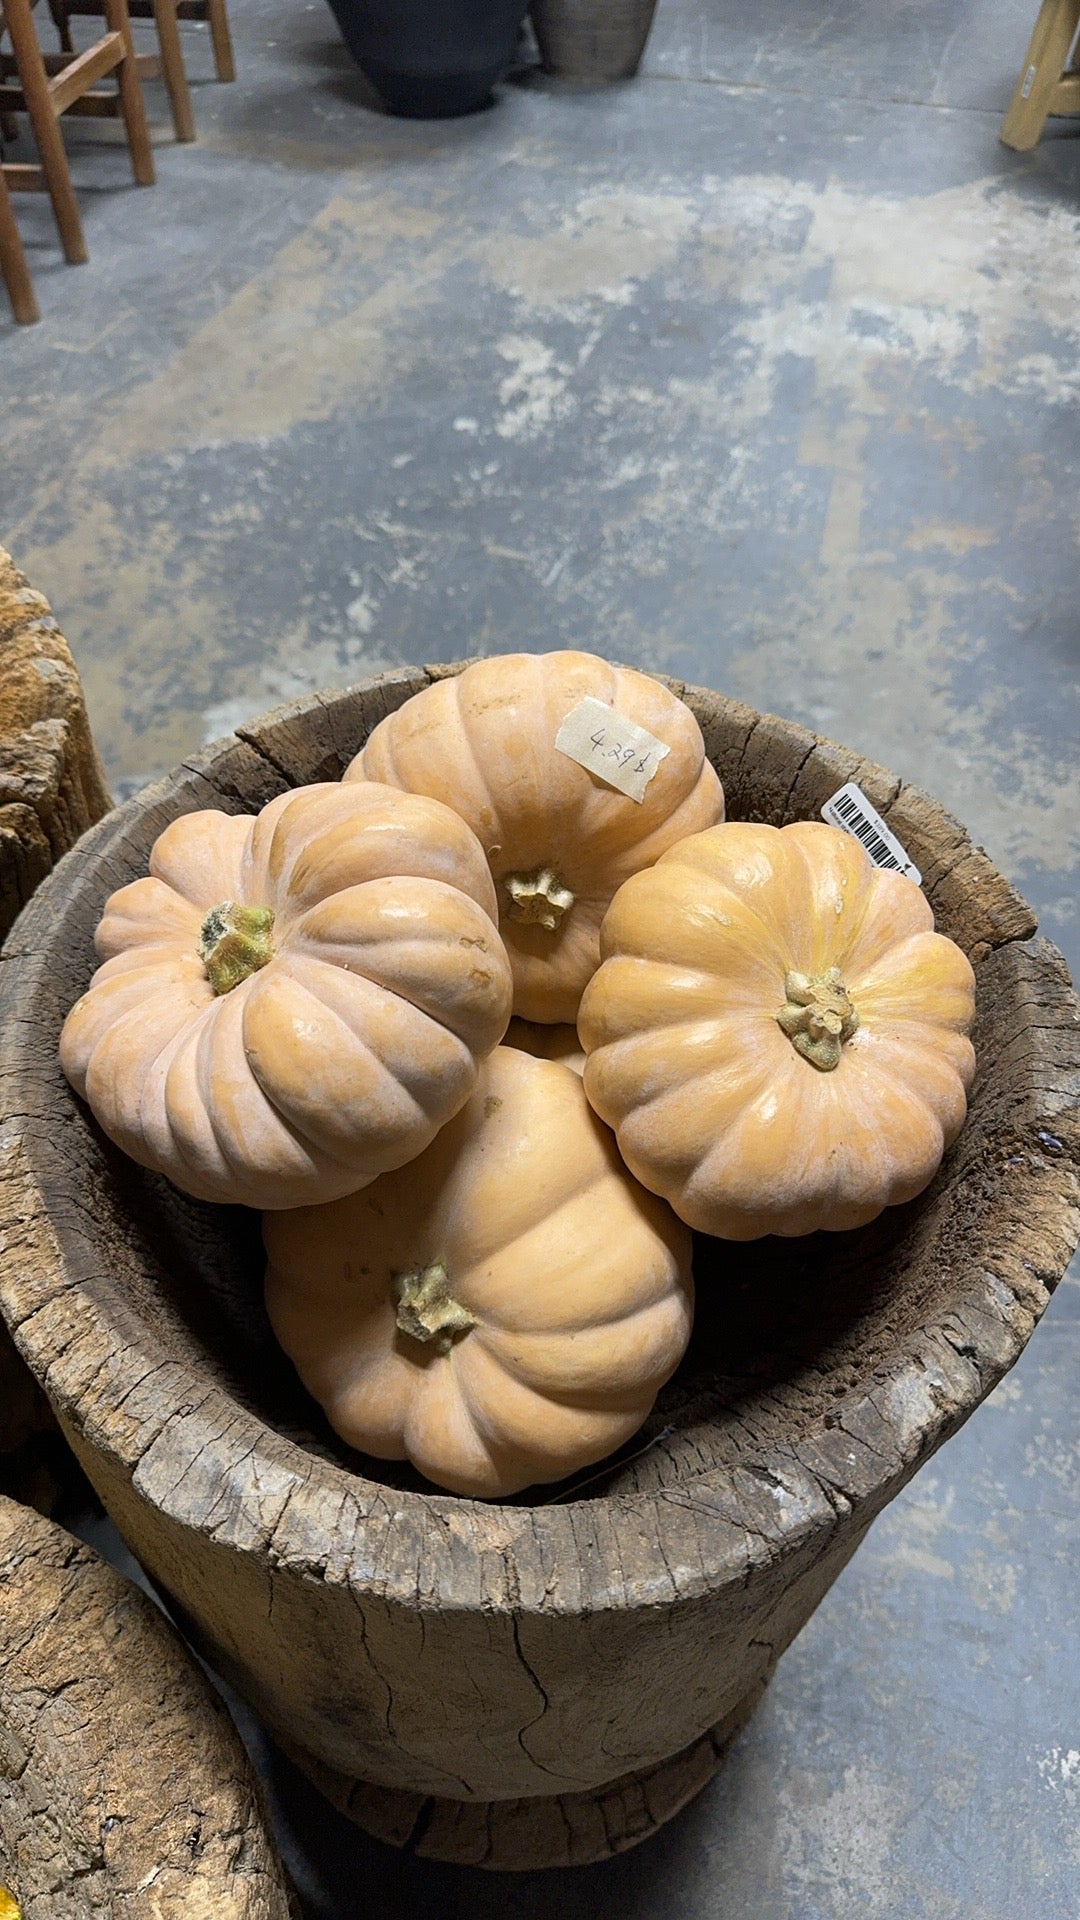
pixel 234 943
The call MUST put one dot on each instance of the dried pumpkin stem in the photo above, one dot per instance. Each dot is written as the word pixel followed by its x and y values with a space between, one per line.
pixel 538 899
pixel 426 1308
pixel 234 942
pixel 818 1017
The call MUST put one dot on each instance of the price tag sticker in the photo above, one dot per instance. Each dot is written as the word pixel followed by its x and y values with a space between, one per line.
pixel 851 810
pixel 606 743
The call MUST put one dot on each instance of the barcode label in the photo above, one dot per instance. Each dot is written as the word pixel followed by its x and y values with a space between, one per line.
pixel 606 743
pixel 851 810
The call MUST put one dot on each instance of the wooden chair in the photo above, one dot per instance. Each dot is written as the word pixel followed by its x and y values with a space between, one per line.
pixel 13 268
pixel 1049 81
pixel 46 85
pixel 168 62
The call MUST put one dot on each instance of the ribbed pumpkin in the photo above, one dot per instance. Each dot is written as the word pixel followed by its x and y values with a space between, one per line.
pixel 291 1004
pixel 559 839
pixel 776 1033
pixel 502 1312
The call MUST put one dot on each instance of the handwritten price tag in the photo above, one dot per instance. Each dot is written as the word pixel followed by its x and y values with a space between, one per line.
pixel 606 743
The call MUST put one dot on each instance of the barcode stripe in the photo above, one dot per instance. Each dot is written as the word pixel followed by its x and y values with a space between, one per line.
pixel 850 810
pixel 865 831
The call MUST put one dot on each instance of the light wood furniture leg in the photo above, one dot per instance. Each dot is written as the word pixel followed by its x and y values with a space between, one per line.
pixel 13 267
pixel 132 109
pixel 172 69
pixel 41 108
pixel 1044 86
pixel 217 14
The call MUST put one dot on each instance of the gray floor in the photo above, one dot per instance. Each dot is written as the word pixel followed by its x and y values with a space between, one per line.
pixel 763 370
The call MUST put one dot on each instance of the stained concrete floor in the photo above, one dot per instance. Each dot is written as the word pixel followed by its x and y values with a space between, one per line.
pixel 762 370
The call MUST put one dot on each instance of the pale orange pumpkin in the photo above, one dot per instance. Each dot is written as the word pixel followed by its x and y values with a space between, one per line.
pixel 776 1033
pixel 501 1312
pixel 291 1004
pixel 559 839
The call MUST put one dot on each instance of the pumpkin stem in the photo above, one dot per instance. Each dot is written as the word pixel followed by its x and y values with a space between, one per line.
pixel 426 1308
pixel 538 899
pixel 818 1017
pixel 234 942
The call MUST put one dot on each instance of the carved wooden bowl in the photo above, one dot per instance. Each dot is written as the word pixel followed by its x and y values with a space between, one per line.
pixel 124 1789
pixel 542 1682
pixel 51 789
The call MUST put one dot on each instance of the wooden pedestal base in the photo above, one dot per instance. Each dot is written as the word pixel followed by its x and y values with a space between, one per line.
pixel 558 1830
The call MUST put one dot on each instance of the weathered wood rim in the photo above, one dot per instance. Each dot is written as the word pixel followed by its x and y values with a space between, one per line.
pixel 721 1521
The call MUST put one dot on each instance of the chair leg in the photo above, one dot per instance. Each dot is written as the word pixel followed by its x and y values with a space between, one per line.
pixel 45 127
pixel 221 38
pixel 1044 63
pixel 13 268
pixel 132 108
pixel 173 70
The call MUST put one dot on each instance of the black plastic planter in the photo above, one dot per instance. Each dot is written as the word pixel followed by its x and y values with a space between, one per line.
pixel 431 59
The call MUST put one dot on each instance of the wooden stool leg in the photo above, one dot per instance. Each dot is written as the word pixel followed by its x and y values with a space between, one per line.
pixel 45 127
pixel 173 70
pixel 1055 31
pixel 131 99
pixel 13 267
pixel 217 14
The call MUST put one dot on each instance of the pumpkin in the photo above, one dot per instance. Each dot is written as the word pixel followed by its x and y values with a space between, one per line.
pixel 546 1043
pixel 503 1311
pixel 559 838
pixel 776 1032
pixel 291 1004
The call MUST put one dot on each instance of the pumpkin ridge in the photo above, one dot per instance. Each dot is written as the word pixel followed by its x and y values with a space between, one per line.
pixel 835 953
pixel 542 1221
pixel 743 1092
pixel 205 1068
pixel 140 907
pixel 497 1335
pixel 720 899
pixel 360 1039
pixel 315 955
pixel 193 824
pixel 117 1035
pixel 483 785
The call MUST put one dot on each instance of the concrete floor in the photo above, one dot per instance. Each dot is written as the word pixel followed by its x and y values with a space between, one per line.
pixel 762 370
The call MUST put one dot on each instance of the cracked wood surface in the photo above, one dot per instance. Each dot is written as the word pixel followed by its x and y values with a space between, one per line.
pixel 456 1651
pixel 51 783
pixel 51 789
pixel 124 1791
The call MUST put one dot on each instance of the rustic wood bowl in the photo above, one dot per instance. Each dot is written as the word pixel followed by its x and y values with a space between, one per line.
pixel 51 789
pixel 124 1789
pixel 542 1682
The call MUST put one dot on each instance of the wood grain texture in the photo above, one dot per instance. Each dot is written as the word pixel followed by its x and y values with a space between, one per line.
pixel 51 789
pixel 456 1652
pixel 124 1790
pixel 51 783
